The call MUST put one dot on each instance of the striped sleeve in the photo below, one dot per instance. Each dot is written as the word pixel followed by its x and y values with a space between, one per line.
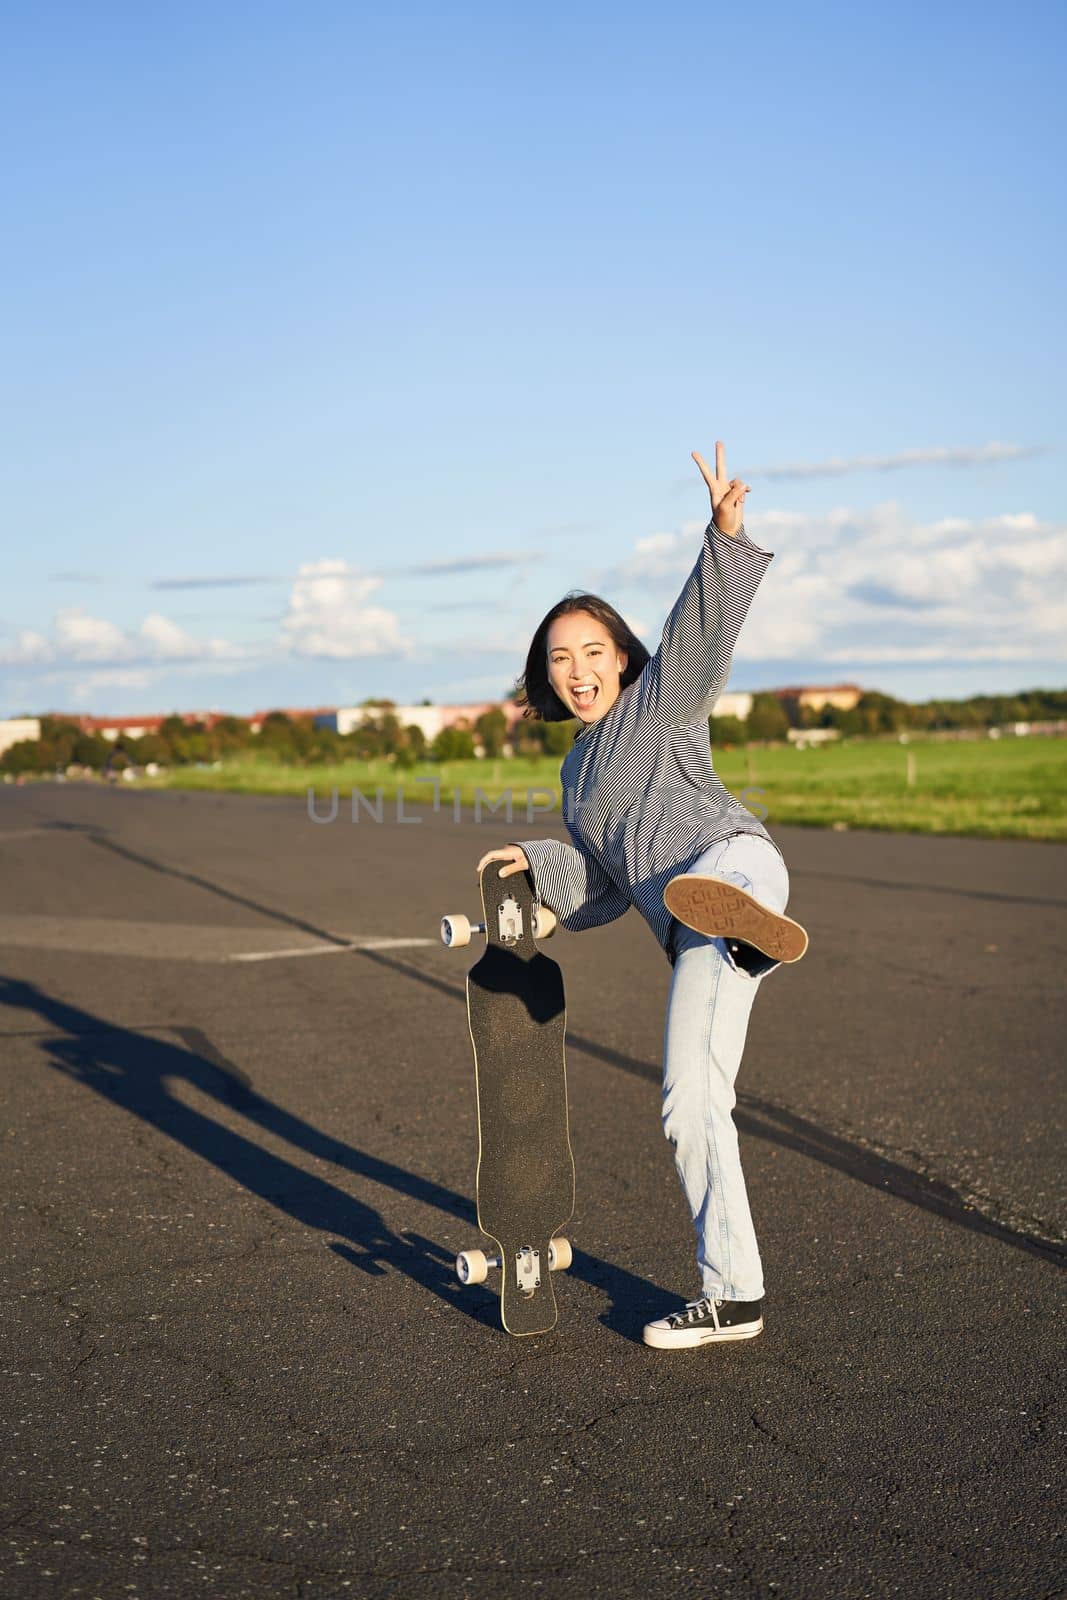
pixel 573 885
pixel 690 669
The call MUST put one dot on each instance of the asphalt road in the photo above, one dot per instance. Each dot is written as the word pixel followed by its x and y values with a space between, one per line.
pixel 239 1137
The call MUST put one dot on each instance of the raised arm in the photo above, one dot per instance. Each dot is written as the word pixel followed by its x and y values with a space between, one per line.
pixel 690 669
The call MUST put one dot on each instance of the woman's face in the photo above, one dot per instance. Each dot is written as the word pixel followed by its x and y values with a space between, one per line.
pixel 584 665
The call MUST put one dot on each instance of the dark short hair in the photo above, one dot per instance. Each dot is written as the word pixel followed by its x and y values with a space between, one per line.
pixel 535 693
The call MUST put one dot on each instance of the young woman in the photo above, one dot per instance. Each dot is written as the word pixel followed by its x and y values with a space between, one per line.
pixel 653 826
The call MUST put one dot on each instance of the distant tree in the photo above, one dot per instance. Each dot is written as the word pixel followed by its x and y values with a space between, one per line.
pixel 726 731
pixel 59 736
pixel 880 713
pixel 766 718
pixel 848 724
pixel 91 750
pixel 416 741
pixel 197 747
pixel 55 727
pixel 286 738
pixel 229 735
pixel 390 732
pixel 151 747
pixel 24 756
pixel 528 737
pixel 558 737
pixel 453 744
pixel 492 729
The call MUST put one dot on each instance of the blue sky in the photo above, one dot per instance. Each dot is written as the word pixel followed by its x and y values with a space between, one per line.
pixel 340 341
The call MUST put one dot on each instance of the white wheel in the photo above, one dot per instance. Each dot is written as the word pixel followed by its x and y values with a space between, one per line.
pixel 544 923
pixel 472 1266
pixel 560 1254
pixel 455 930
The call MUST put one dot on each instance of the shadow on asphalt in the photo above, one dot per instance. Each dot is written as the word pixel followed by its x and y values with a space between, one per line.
pixel 763 1119
pixel 760 1118
pixel 137 1072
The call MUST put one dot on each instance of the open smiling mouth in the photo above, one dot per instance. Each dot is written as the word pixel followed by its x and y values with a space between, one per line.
pixel 585 697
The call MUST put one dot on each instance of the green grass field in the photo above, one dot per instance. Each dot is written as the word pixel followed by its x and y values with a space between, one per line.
pixel 1006 788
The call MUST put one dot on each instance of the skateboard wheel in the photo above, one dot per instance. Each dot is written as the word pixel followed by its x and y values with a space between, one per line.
pixel 560 1255
pixel 455 930
pixel 545 923
pixel 472 1266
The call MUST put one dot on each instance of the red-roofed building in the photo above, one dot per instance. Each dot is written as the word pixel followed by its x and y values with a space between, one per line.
pixel 136 727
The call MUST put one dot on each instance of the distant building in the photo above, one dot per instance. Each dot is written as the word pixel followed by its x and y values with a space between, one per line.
pixel 804 738
pixel 15 729
pixel 112 728
pixel 814 696
pixel 431 719
pixel 733 705
pixel 843 695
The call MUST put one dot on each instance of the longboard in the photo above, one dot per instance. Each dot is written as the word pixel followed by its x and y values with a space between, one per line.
pixel 517 1016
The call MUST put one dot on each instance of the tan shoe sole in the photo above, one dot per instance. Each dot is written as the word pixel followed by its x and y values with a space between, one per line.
pixel 718 909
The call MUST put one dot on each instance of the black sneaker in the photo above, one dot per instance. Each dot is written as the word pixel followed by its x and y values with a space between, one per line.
pixel 706 1321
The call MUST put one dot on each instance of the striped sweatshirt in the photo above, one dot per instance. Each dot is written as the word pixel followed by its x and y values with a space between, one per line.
pixel 641 798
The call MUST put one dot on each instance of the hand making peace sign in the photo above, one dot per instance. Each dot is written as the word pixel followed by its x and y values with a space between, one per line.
pixel 727 494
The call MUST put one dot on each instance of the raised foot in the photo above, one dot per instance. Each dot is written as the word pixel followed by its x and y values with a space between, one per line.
pixel 719 909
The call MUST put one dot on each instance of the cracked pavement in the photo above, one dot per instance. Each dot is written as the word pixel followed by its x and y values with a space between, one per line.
pixel 235 1357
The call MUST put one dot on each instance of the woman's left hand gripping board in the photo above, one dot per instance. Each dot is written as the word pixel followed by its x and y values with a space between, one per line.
pixel 513 854
pixel 514 859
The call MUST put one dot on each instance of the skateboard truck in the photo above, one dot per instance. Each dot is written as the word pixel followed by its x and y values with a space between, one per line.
pixel 528 1269
pixel 458 930
pixel 472 1266
pixel 509 914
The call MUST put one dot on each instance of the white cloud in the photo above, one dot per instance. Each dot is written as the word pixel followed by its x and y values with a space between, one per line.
pixel 165 641
pixel 328 615
pixel 79 637
pixel 876 586
pixel 28 648
pixel 931 455
pixel 665 555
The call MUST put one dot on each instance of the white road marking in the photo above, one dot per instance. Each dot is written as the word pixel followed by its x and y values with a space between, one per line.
pixel 328 949
pixel 171 941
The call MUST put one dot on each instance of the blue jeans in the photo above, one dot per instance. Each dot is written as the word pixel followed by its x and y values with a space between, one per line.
pixel 708 1009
